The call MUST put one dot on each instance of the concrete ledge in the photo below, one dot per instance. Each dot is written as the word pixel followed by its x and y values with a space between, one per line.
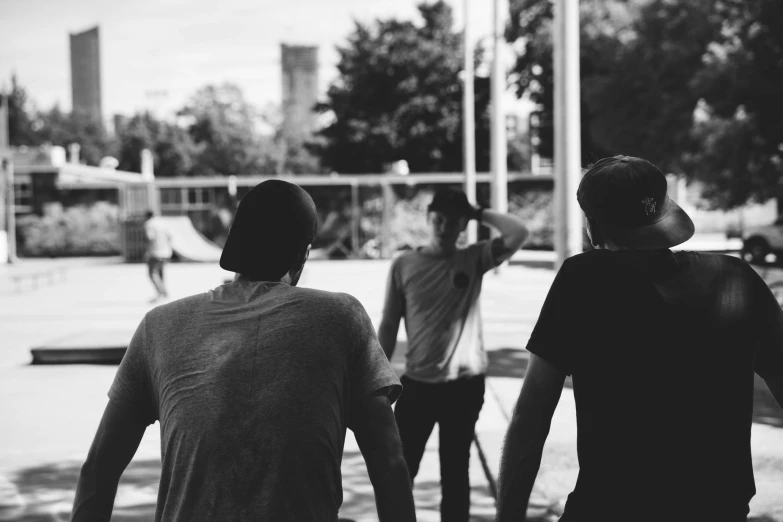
pixel 89 347
pixel 78 356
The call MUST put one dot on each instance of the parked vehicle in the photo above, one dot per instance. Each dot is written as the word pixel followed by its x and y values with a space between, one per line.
pixel 759 242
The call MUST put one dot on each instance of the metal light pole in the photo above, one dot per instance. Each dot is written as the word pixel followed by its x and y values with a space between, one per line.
pixel 568 172
pixel 469 121
pixel 498 133
pixel 7 210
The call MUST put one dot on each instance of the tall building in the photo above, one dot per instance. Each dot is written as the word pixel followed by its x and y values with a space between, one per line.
pixel 300 89
pixel 86 74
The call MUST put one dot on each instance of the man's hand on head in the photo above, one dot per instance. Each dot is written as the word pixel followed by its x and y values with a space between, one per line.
pixel 473 212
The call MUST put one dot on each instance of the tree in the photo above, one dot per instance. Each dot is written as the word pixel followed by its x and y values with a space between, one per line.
pixel 59 128
pixel 398 96
pixel 172 148
pixel 691 86
pixel 21 117
pixel 738 128
pixel 224 124
pixel 637 60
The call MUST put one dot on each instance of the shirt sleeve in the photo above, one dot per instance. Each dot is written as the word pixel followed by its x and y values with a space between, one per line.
pixel 550 339
pixel 370 371
pixel 394 303
pixel 132 385
pixel 769 354
pixel 482 250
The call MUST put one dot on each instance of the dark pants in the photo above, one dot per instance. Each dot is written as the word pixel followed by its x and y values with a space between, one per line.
pixel 455 406
pixel 155 267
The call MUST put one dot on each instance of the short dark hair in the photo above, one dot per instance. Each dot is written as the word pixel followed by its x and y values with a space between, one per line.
pixel 450 202
pixel 149 214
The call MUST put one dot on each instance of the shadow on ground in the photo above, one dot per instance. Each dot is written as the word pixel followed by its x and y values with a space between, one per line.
pixel 45 493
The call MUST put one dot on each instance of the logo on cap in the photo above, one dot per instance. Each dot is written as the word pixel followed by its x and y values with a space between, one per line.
pixel 649 206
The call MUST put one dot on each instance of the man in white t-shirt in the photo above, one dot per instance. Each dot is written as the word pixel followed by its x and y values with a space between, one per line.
pixel 435 289
pixel 159 251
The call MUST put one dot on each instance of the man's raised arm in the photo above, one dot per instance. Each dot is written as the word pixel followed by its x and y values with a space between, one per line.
pixel 513 233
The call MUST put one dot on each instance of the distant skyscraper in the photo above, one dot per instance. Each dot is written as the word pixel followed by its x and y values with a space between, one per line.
pixel 300 89
pixel 86 74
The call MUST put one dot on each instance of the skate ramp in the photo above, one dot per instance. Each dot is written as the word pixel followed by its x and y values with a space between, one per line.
pixel 188 243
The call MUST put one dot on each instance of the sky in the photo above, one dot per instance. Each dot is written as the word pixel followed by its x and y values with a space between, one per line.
pixel 156 53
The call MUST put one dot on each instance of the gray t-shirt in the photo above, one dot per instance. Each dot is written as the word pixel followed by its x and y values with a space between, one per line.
pixel 254 385
pixel 439 299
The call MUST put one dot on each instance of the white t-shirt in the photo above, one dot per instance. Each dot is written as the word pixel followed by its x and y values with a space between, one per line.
pixel 439 299
pixel 159 238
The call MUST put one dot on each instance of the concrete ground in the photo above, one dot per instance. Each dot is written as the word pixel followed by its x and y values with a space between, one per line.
pixel 50 412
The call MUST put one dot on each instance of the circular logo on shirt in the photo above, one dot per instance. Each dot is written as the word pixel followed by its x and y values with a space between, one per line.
pixel 461 280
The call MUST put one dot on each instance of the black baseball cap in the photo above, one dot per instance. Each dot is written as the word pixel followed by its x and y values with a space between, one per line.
pixel 275 221
pixel 452 203
pixel 628 197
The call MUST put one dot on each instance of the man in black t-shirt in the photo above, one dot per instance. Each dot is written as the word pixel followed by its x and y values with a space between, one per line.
pixel 662 347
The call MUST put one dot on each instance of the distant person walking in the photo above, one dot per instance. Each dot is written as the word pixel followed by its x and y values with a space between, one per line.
pixel 436 288
pixel 159 252
pixel 254 384
pixel 662 347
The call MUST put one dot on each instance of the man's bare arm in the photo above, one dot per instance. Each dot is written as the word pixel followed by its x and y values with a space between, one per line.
pixel 525 438
pixel 379 441
pixel 116 441
pixel 512 231
pixel 387 333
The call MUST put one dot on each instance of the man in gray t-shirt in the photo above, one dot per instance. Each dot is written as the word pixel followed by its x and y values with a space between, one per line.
pixel 436 289
pixel 254 384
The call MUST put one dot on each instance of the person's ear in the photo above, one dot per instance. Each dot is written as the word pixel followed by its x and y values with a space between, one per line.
pixel 593 233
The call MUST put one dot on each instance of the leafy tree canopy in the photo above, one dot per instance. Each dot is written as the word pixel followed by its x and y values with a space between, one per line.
pixel 398 96
pixel 172 148
pixel 692 86
pixel 224 125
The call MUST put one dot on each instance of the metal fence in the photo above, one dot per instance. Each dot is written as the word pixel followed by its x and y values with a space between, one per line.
pixel 361 216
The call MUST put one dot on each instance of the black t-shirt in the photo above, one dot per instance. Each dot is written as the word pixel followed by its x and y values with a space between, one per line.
pixel 662 347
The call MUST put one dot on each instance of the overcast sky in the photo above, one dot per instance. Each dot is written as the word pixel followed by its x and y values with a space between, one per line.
pixel 156 53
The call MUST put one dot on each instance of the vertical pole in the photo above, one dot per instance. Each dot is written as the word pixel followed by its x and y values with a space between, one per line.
pixel 4 188
pixel 469 121
pixel 498 134
pixel 568 218
pixel 10 207
pixel 148 175
pixel 355 217
pixel 7 172
pixel 388 201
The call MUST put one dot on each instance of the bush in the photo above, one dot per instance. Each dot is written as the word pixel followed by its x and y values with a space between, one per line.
pixel 409 224
pixel 536 209
pixel 76 231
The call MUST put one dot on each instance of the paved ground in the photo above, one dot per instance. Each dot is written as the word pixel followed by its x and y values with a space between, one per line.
pixel 50 412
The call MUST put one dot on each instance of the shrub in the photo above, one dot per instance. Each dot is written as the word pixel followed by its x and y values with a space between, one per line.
pixel 409 225
pixel 536 209
pixel 76 231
